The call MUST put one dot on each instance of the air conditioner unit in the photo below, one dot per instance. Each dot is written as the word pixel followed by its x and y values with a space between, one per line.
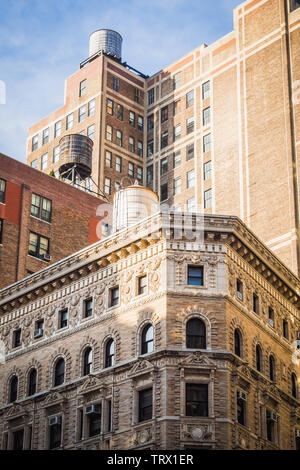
pixel 297 432
pixel 241 395
pixel 272 416
pixel 92 410
pixel 239 295
pixel 38 333
pixel 271 321
pixel 54 420
pixel 46 257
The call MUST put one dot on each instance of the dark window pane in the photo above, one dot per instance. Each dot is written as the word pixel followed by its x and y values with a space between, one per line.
pixel 59 376
pixel 195 275
pixel 32 382
pixel 196 399
pixel 145 404
pixel 196 334
pixel 147 339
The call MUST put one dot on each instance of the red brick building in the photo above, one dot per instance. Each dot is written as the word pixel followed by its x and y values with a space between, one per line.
pixel 42 220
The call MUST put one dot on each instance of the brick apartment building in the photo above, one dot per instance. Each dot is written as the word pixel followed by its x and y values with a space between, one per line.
pixel 42 220
pixel 150 341
pixel 203 131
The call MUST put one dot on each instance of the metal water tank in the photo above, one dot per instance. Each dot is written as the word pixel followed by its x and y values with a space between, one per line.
pixel 133 204
pixel 75 152
pixel 106 40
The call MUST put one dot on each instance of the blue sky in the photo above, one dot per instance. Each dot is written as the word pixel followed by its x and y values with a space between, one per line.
pixel 43 41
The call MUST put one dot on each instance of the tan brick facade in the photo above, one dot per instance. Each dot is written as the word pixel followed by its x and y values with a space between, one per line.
pixel 228 252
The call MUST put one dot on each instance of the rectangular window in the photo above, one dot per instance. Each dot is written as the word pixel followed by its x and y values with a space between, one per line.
pixel 191 205
pixel 119 138
pixel 46 136
pixel 294 4
pixel 114 296
pixel 239 289
pixel 206 116
pixel 207 199
pixel 177 81
pixel 137 95
pixel 142 285
pixel 1 231
pixel 190 124
pixel 131 144
pixel 196 399
pixel 33 164
pixel 119 164
pixel 190 179
pixel 190 99
pixel 38 245
pixel 41 207
pixel 271 419
pixel 130 169
pixel 177 132
pixel 164 166
pixel 110 107
pixel 177 186
pixel 164 139
pixel 177 159
pixel 151 96
pixel 39 329
pixel 56 154
pixel 164 114
pixel 150 122
pixel 107 186
pixel 108 159
pixel 69 122
pixel 140 148
pixel 63 318
pixel 117 186
pixel 195 275
pixel 164 192
pixel 150 174
pixel 109 132
pixel 34 143
pixel 94 422
pixel 149 148
pixel 44 161
pixel 91 107
pixel 207 170
pixel 119 112
pixel 285 329
pixel 176 107
pixel 82 88
pixel 207 143
pixel 271 317
pixel 91 132
pixel 2 190
pixel 145 404
pixel 241 407
pixel 88 308
pixel 55 435
pixel 18 439
pixel 116 83
pixel 139 174
pixel 132 118
pixel 17 338
pixel 255 302
pixel 206 90
pixel 189 152
pixel 140 123
pixel 81 114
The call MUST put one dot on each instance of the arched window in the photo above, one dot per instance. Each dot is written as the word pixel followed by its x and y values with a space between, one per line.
pixel 294 385
pixel 110 353
pixel 32 379
pixel 258 358
pixel 13 389
pixel 59 372
pixel 195 334
pixel 271 367
pixel 147 339
pixel 87 361
pixel 237 343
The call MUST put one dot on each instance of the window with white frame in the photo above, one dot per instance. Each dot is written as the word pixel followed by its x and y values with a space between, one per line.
pixel 56 152
pixel 46 136
pixel 107 186
pixel 190 177
pixel 81 114
pixel 91 107
pixel 69 121
pixel 207 170
pixel 91 132
pixel 177 186
pixel 206 90
pixel 207 198
pixel 57 129
pixel 44 161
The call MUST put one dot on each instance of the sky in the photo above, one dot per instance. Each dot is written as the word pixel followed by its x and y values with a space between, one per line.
pixel 43 41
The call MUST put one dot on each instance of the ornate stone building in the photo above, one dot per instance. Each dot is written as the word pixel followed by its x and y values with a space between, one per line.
pixel 154 339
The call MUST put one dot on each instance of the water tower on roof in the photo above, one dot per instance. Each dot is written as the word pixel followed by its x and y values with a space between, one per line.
pixel 75 157
pixel 106 41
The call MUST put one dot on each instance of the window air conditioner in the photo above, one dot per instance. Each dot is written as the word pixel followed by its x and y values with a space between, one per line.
pixel 92 409
pixel 298 335
pixel 38 333
pixel 239 295
pixel 272 417
pixel 54 420
pixel 46 257
pixel 241 395
pixel 297 432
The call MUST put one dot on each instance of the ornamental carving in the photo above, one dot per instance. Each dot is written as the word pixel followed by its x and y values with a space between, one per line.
pixel 203 432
